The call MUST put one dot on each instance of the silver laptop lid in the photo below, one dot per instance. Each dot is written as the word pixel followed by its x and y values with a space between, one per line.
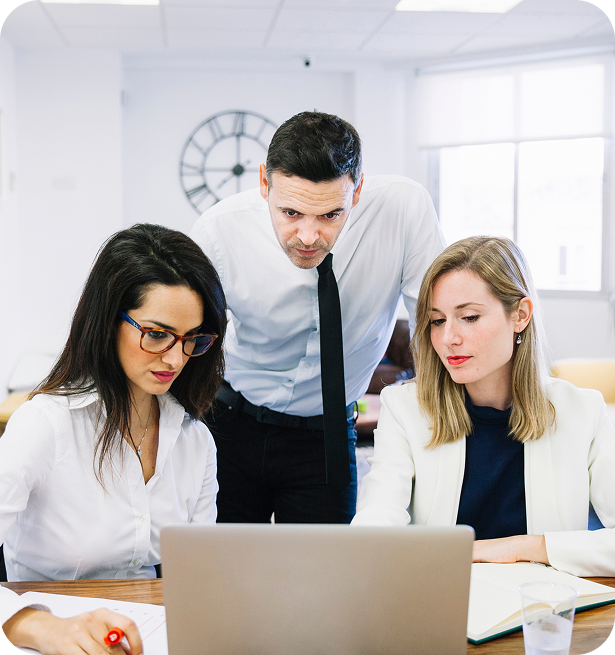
pixel 316 589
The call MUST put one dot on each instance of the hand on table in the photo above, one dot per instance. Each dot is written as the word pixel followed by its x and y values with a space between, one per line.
pixel 77 635
pixel 521 548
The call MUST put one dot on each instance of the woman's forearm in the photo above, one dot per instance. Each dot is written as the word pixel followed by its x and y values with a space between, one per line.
pixel 520 548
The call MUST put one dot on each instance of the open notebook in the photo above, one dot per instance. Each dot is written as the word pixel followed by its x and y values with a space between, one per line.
pixel 495 603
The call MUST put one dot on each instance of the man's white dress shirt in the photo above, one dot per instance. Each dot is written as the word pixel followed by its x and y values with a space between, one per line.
pixel 273 339
pixel 56 520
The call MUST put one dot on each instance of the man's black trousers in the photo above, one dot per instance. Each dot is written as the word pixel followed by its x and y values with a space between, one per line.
pixel 267 469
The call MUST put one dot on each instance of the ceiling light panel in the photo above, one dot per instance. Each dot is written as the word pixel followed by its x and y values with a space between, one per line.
pixel 218 18
pixel 410 24
pixel 330 20
pixel 104 16
pixel 474 6
pixel 102 2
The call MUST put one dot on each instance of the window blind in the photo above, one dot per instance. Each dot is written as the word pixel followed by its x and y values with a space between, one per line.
pixel 554 100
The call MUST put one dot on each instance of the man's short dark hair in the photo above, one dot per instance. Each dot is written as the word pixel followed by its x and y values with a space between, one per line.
pixel 317 147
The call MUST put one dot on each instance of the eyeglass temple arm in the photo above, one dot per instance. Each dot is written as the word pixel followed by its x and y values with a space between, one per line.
pixel 125 316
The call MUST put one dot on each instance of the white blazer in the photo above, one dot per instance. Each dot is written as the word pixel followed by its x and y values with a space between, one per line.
pixel 571 464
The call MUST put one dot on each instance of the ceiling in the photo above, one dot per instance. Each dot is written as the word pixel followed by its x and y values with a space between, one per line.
pixel 324 30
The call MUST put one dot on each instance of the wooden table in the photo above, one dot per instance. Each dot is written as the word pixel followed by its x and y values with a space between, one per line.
pixel 134 591
pixel 591 628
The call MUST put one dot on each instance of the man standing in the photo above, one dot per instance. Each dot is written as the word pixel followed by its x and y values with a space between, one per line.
pixel 317 237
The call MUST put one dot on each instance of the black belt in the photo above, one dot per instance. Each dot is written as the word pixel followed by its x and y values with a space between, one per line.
pixel 228 396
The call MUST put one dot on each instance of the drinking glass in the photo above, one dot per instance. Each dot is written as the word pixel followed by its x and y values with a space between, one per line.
pixel 548 614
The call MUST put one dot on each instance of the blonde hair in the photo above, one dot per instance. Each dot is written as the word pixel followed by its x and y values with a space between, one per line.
pixel 501 265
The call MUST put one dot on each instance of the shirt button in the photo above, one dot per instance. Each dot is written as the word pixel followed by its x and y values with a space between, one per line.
pixel 136 562
pixel 142 518
pixel 305 365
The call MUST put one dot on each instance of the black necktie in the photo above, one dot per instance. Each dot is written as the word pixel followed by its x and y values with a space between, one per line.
pixel 332 377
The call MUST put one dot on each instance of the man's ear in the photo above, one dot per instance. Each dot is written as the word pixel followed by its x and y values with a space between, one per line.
pixel 264 182
pixel 357 192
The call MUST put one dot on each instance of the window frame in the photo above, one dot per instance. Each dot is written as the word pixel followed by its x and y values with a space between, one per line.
pixel 555 59
pixel 575 294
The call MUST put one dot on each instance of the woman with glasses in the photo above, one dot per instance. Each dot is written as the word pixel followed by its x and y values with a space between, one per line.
pixel 110 448
pixel 483 436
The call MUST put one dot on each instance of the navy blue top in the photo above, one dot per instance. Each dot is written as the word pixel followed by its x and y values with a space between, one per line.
pixel 493 491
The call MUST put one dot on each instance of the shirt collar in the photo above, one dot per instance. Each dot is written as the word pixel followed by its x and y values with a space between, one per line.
pixel 171 412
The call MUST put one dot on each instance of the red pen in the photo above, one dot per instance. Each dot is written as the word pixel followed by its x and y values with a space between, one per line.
pixel 114 637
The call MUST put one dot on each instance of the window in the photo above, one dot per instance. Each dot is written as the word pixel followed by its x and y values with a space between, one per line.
pixel 527 163
pixel 546 195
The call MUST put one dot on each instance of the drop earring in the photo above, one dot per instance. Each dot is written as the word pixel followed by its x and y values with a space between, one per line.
pixel 519 338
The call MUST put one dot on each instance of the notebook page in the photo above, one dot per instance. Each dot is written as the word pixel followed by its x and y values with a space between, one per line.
pixel 510 576
pixel 490 604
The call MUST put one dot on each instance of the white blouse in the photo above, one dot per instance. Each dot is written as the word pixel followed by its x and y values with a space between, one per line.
pixel 56 520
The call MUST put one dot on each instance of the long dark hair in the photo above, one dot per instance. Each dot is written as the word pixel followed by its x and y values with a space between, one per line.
pixel 126 267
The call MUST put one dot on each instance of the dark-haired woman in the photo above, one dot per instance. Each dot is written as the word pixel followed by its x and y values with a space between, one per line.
pixel 110 447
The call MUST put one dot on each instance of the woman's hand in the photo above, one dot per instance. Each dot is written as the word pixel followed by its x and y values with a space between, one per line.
pixel 77 635
pixel 521 548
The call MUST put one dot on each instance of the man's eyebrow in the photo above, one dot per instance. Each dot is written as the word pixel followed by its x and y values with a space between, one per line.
pixel 331 211
pixel 462 306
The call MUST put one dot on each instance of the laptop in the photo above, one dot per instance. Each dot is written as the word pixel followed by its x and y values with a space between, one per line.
pixel 316 589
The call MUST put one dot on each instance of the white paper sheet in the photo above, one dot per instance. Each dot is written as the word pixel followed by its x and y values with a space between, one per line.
pixel 150 619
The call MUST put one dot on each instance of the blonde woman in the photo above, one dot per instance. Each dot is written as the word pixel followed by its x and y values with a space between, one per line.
pixel 483 436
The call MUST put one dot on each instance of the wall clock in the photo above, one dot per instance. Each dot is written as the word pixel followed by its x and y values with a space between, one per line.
pixel 222 156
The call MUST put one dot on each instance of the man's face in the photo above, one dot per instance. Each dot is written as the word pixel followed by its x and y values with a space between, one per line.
pixel 308 217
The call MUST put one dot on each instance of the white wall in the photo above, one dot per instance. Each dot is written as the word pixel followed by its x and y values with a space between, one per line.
pixel 162 108
pixel 10 279
pixel 89 165
pixel 579 328
pixel 163 104
pixel 380 119
pixel 70 180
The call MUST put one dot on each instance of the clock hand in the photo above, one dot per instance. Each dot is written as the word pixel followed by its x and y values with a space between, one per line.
pixel 236 171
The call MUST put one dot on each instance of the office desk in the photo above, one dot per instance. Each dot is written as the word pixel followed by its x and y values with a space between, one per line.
pixel 591 628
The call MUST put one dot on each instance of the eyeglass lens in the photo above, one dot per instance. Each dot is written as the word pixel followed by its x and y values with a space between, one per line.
pixel 155 341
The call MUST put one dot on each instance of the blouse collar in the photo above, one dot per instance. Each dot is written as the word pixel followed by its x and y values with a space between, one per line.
pixel 171 412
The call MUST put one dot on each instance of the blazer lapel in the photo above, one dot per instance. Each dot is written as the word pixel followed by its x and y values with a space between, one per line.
pixel 540 500
pixel 451 467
